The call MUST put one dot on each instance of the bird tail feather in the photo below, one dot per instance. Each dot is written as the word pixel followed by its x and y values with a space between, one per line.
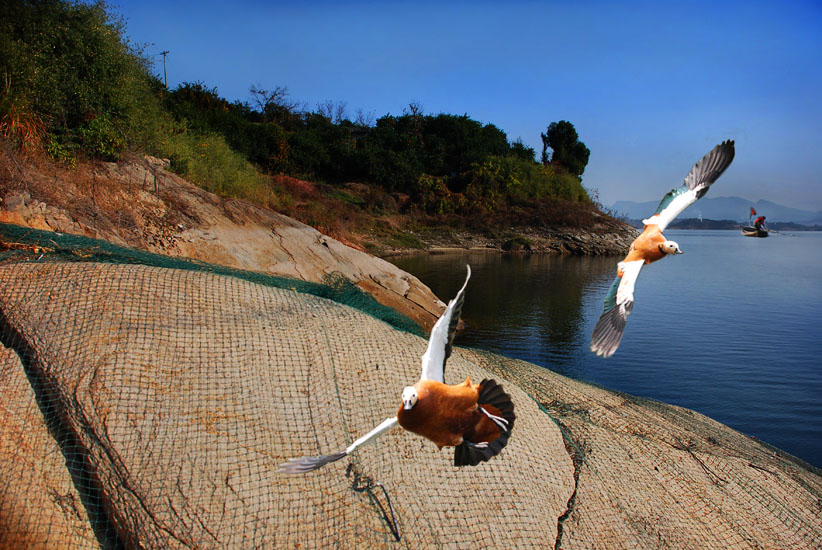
pixel 499 404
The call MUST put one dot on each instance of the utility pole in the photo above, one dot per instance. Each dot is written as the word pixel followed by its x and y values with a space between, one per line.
pixel 165 72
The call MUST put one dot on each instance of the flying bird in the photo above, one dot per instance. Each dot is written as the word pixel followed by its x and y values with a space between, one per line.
pixel 651 245
pixel 476 419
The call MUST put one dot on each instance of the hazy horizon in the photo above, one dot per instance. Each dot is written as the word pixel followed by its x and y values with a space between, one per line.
pixel 649 87
pixel 731 197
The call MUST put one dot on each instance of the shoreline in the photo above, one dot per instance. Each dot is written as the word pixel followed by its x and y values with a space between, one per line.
pixel 600 241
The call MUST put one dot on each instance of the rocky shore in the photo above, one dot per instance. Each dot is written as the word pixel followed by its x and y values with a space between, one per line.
pixel 141 204
pixel 602 241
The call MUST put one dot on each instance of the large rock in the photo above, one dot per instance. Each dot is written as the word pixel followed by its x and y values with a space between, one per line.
pixel 185 390
pixel 39 504
pixel 651 475
pixel 164 213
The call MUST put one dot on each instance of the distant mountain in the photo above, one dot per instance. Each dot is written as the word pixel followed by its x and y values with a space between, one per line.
pixel 723 208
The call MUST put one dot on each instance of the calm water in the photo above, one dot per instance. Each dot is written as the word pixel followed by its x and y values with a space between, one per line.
pixel 732 328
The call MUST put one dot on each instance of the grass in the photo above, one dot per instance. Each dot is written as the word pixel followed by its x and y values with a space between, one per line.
pixel 405 240
pixel 517 244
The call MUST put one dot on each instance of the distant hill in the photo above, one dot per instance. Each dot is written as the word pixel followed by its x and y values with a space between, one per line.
pixel 724 208
pixel 707 223
pixel 693 223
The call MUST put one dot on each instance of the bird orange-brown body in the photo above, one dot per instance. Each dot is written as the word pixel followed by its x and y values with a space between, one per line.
pixel 448 414
pixel 646 246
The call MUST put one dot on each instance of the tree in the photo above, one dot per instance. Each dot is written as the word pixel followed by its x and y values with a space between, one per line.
pixel 275 105
pixel 567 150
pixel 335 111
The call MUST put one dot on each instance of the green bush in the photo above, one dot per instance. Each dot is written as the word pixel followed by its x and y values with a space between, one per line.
pixel 101 138
pixel 59 152
pixel 518 244
pixel 433 196
pixel 496 181
pixel 69 62
pixel 208 161
pixel 202 110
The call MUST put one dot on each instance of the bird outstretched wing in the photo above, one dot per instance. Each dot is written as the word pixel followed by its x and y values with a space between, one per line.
pixel 305 464
pixel 618 305
pixel 697 182
pixel 442 337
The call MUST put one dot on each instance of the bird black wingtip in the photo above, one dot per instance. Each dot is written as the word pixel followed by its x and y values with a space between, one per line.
pixel 491 394
pixel 729 146
pixel 471 454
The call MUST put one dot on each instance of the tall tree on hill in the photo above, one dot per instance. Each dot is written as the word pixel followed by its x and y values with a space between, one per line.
pixel 567 150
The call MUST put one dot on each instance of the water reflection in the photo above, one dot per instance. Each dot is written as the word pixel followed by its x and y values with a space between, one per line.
pixel 527 307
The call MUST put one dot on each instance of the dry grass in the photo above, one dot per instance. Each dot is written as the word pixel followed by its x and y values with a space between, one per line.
pixel 20 128
pixel 24 129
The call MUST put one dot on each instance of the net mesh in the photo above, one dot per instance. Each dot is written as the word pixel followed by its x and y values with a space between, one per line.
pixel 148 405
pixel 24 244
pixel 651 475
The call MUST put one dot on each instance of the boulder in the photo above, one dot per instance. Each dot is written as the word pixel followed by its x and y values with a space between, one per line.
pixel 183 391
pixel 40 506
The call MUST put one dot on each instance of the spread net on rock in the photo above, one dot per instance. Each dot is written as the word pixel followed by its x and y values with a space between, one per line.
pixel 148 402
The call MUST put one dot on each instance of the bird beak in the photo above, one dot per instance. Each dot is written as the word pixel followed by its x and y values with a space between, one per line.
pixel 678 251
pixel 407 405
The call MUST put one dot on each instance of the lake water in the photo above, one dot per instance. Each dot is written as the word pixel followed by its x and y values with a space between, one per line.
pixel 732 328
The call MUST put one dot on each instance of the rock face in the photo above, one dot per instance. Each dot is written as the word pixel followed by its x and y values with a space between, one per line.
pixel 169 215
pixel 39 504
pixel 181 392
pixel 602 239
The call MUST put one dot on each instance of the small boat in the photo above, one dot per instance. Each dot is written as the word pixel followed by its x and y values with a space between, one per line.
pixel 751 231
pixel 757 229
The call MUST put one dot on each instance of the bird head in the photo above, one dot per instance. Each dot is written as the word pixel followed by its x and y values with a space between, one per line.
pixel 409 397
pixel 670 247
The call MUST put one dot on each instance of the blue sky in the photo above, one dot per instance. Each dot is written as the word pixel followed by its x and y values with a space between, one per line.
pixel 649 86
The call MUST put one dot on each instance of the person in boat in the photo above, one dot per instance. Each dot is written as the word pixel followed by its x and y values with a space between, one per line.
pixel 759 224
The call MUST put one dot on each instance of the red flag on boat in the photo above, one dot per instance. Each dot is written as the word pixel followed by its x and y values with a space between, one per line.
pixel 753 212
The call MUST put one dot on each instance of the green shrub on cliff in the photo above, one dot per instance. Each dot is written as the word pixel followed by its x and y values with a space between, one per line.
pixel 499 182
pixel 68 64
pixel 72 83
pixel 208 161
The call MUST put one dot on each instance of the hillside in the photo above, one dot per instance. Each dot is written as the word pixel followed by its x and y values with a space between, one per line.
pixel 139 203
pixel 76 124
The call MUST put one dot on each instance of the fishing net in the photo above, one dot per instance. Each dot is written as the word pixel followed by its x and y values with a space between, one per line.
pixel 23 244
pixel 652 475
pixel 149 404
